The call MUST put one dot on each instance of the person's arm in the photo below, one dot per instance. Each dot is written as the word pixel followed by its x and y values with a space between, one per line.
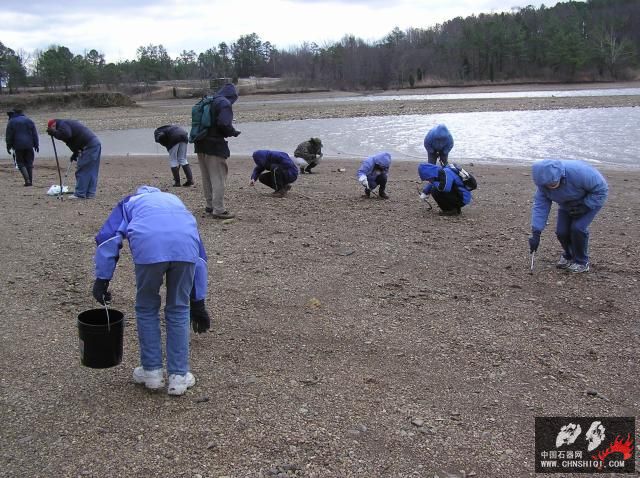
pixel 109 241
pixel 200 282
pixel 224 121
pixel 9 137
pixel 449 146
pixel 260 158
pixel 540 211
pixel 34 137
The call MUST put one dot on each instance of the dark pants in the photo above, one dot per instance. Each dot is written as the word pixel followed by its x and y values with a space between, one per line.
pixel 433 157
pixel 379 180
pixel 274 179
pixel 573 234
pixel 24 157
pixel 447 201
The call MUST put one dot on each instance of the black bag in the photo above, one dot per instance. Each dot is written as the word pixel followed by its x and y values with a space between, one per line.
pixel 467 178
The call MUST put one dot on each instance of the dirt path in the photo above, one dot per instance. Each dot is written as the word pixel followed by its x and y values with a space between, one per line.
pixel 352 337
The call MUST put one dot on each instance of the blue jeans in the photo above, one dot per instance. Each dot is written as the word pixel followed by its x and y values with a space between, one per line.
pixel 176 313
pixel 573 234
pixel 87 171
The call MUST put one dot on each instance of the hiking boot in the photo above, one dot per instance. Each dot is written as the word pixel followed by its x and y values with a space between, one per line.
pixel 176 176
pixel 302 170
pixel 367 192
pixel 187 171
pixel 563 263
pixel 577 268
pixel 178 384
pixel 208 210
pixel 383 195
pixel 449 212
pixel 188 183
pixel 223 215
pixel 152 379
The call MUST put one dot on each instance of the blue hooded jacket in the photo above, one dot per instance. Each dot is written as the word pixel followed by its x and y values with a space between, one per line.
pixel 443 179
pixel 21 132
pixel 580 184
pixel 438 139
pixel 214 142
pixel 159 228
pixel 374 165
pixel 267 160
pixel 74 134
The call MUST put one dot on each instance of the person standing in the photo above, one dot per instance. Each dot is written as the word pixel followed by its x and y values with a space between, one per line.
pixel 374 172
pixel 175 139
pixel 22 137
pixel 213 151
pixel 165 246
pixel 308 154
pixel 438 142
pixel 446 187
pixel 85 148
pixel 274 169
pixel 580 192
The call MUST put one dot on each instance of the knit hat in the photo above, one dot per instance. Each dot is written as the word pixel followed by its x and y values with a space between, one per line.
pixel 50 123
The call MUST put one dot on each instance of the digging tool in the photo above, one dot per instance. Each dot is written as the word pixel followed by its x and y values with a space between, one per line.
pixel 64 180
pixel 55 152
pixel 15 163
pixel 533 256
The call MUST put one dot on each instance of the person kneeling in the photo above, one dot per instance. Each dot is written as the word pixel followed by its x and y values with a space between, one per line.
pixel 374 172
pixel 446 188
pixel 274 169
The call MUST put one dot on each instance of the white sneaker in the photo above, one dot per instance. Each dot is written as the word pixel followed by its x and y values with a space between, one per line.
pixel 563 263
pixel 152 379
pixel 577 268
pixel 178 384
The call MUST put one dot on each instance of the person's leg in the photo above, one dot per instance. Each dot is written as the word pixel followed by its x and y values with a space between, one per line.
pixel 83 175
pixel 444 159
pixel 219 170
pixel 205 172
pixel 268 179
pixel 148 282
pixel 449 202
pixel 176 312
pixel 29 163
pixel 182 161
pixel 433 157
pixel 22 165
pixel 94 151
pixel 312 164
pixel 173 163
pixel 381 180
pixel 563 233
pixel 580 236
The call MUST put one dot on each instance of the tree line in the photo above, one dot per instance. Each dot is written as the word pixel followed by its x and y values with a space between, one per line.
pixel 593 40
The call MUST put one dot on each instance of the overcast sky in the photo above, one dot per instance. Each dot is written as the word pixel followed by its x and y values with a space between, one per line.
pixel 118 27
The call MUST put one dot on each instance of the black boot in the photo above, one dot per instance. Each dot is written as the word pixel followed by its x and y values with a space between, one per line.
pixel 187 171
pixel 176 176
pixel 25 176
pixel 310 167
pixel 30 172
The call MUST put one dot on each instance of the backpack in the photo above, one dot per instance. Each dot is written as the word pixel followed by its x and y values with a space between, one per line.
pixel 467 178
pixel 201 119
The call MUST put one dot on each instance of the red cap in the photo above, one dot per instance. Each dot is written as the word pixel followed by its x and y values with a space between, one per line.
pixel 50 122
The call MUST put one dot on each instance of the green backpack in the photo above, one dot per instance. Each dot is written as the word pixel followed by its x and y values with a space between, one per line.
pixel 201 119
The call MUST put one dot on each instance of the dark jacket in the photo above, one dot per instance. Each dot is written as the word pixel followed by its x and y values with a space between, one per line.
pixel 169 135
pixel 269 160
pixel 443 179
pixel 221 118
pixel 308 150
pixel 74 134
pixel 21 133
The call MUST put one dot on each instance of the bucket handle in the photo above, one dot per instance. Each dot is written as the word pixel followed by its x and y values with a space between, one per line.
pixel 106 309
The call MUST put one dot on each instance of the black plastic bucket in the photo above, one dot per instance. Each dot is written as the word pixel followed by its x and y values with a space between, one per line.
pixel 100 343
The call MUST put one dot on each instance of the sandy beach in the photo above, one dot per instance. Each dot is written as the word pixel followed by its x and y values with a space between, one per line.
pixel 351 336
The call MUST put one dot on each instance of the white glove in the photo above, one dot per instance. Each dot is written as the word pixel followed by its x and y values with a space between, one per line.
pixel 319 156
pixel 364 181
pixel 423 197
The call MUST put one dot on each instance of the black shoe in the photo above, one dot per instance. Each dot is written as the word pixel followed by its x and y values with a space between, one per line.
pixel 188 183
pixel 208 210
pixel 301 169
pixel 449 212
pixel 367 192
pixel 383 195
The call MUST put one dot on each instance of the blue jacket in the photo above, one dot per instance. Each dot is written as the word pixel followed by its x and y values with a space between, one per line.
pixel 438 139
pixel 580 184
pixel 222 118
pixel 74 134
pixel 169 135
pixel 159 228
pixel 443 179
pixel 267 160
pixel 21 133
pixel 374 165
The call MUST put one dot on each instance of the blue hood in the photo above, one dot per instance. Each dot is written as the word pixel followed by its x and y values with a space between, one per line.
pixel 428 171
pixel 229 92
pixel 147 189
pixel 547 171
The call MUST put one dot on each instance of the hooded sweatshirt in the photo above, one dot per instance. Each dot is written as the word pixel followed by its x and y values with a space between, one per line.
pixel 159 228
pixel 580 184
pixel 443 179
pixel 374 165
pixel 269 160
pixel 214 142
pixel 438 139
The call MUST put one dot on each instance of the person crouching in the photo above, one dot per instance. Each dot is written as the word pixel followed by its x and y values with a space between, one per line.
pixel 274 169
pixel 446 188
pixel 374 172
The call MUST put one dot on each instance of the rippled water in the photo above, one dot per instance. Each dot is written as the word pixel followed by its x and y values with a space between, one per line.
pixel 605 135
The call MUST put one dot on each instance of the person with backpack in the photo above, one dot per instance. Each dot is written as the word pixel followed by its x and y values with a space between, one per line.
pixel 175 140
pixel 374 172
pixel 22 137
pixel 308 154
pixel 86 149
pixel 211 123
pixel 438 142
pixel 166 247
pixel 446 186
pixel 274 169
pixel 580 192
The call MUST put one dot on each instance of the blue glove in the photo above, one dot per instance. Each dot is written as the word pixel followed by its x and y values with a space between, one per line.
pixel 534 241
pixel 578 210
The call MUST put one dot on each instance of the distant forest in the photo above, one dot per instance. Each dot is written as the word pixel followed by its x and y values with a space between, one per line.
pixel 573 41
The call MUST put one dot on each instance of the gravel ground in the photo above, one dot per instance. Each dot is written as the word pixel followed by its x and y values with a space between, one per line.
pixel 351 337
